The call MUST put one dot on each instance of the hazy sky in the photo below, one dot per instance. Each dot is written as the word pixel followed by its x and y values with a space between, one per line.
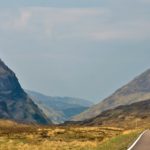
pixel 79 48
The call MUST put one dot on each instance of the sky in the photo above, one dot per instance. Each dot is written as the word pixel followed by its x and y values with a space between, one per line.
pixel 77 48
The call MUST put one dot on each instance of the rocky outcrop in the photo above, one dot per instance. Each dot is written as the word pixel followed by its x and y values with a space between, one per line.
pixel 14 102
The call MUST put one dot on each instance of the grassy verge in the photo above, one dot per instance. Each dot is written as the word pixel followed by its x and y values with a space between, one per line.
pixel 121 142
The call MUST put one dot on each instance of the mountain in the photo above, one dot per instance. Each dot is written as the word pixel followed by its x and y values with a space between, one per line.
pixel 59 109
pixel 126 116
pixel 15 104
pixel 136 90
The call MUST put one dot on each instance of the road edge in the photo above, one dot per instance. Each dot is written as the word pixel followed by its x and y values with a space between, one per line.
pixel 130 148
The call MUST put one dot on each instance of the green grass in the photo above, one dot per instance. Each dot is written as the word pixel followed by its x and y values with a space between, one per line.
pixel 121 142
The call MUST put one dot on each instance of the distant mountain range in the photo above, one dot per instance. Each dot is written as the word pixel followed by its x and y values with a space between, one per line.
pixel 15 104
pixel 59 109
pixel 129 105
pixel 135 91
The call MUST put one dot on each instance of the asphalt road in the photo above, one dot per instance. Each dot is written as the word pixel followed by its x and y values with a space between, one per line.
pixel 144 142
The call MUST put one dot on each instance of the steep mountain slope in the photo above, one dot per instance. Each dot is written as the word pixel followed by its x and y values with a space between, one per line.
pixel 133 115
pixel 14 102
pixel 137 90
pixel 59 109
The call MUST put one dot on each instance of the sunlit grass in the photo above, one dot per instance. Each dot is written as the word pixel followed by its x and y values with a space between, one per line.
pixel 24 137
pixel 121 142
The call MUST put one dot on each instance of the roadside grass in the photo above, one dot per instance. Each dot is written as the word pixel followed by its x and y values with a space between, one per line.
pixel 121 142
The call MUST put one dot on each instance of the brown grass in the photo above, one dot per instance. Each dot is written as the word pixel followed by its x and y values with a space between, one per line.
pixel 29 137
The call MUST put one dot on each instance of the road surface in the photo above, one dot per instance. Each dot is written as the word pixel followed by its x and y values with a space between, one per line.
pixel 143 142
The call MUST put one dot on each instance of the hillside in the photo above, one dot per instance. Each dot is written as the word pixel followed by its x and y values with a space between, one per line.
pixel 136 90
pixel 14 102
pixel 128 116
pixel 59 109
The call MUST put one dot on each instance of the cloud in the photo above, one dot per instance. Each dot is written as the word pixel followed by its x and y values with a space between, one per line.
pixel 23 20
pixel 14 21
pixel 99 23
pixel 144 1
pixel 131 30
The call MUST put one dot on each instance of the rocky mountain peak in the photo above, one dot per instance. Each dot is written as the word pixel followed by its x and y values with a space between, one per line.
pixel 14 102
pixel 9 84
pixel 139 84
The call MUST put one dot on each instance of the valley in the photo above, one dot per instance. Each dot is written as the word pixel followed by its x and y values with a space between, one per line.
pixel 59 109
pixel 30 120
pixel 74 75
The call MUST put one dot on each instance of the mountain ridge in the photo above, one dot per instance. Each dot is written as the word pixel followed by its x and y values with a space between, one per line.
pixel 136 90
pixel 123 116
pixel 14 102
